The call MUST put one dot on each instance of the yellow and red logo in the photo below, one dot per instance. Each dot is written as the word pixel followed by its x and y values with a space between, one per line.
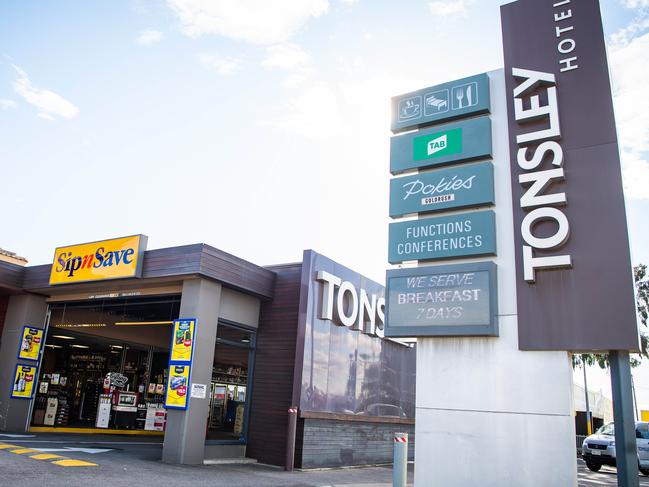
pixel 116 258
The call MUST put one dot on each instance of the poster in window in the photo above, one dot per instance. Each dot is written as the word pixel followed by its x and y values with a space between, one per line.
pixel 23 383
pixel 177 387
pixel 30 345
pixel 182 340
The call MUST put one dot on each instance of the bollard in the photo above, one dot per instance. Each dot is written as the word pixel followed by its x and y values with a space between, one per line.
pixel 290 438
pixel 400 465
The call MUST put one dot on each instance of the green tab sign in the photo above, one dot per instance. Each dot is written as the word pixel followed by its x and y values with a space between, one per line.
pixel 437 144
pixel 450 143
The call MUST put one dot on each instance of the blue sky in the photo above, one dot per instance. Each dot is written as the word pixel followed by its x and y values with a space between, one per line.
pixel 261 128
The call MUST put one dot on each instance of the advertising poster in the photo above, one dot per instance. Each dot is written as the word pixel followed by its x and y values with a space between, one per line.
pixel 177 386
pixel 30 345
pixel 182 341
pixel 24 379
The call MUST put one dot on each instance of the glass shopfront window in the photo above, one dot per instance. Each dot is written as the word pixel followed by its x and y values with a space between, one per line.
pixel 105 364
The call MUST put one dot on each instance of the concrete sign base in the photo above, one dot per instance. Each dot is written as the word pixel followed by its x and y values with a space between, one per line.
pixel 487 413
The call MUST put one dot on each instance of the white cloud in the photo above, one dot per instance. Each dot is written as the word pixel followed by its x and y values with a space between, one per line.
pixel 6 104
pixel 286 56
pixel 149 37
pixel 447 8
pixel 635 176
pixel 314 113
pixel 49 104
pixel 635 3
pixel 256 21
pixel 629 59
pixel 223 65
pixel 630 75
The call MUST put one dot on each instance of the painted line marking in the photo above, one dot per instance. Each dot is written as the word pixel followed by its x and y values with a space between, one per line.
pixel 45 456
pixel 20 451
pixel 73 463
pixel 5 446
pixel 72 449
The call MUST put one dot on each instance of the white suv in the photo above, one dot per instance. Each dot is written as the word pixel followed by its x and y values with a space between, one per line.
pixel 599 448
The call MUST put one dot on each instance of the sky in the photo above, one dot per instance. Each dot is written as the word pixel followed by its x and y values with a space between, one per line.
pixel 261 128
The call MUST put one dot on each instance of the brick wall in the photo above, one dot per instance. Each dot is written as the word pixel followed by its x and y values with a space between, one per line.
pixel 334 443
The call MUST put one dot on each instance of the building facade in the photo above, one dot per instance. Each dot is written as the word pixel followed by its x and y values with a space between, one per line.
pixel 89 354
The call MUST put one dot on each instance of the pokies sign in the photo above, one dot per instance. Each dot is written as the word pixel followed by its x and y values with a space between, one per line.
pixel 117 258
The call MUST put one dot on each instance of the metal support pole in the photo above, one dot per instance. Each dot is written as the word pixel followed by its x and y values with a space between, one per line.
pixel 290 438
pixel 625 440
pixel 635 400
pixel 400 465
pixel 589 420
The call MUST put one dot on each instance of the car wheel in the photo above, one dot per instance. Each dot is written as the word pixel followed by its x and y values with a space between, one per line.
pixel 593 467
pixel 644 471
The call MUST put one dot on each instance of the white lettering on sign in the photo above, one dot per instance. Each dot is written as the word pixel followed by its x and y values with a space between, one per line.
pixel 418 187
pixel 542 205
pixel 437 144
pixel 565 45
pixel 345 305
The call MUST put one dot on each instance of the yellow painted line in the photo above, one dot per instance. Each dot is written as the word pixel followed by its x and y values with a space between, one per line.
pixel 5 446
pixel 45 456
pixel 74 463
pixel 94 431
pixel 20 451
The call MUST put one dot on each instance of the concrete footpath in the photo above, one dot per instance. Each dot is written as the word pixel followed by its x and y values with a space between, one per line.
pixel 78 460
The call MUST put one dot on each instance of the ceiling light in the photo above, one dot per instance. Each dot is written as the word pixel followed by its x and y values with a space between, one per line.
pixel 79 346
pixel 64 337
pixel 53 346
pixel 134 323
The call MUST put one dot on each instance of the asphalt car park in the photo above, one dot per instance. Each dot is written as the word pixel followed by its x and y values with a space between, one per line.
pixel 117 460
pixel 114 460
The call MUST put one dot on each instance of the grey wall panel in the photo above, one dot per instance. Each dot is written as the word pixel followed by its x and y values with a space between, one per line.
pixel 11 276
pixel 334 443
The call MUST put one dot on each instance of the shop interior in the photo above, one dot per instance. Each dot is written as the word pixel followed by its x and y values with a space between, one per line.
pixel 105 365
pixel 228 408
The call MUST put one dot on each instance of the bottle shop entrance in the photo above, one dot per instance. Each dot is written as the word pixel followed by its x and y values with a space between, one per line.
pixel 231 380
pixel 105 364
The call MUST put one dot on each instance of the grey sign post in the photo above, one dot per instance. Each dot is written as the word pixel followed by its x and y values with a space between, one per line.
pixel 572 225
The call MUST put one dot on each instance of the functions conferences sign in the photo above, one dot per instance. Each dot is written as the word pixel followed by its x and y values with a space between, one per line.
pixel 574 284
pixel 443 237
pixel 447 300
pixel 116 258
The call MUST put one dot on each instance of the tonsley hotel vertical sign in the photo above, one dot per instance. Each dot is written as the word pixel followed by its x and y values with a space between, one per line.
pixel 574 284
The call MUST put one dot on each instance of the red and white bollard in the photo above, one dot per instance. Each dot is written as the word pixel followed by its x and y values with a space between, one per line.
pixel 400 461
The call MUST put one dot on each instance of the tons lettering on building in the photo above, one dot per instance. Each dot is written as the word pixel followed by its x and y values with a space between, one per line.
pixel 116 258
